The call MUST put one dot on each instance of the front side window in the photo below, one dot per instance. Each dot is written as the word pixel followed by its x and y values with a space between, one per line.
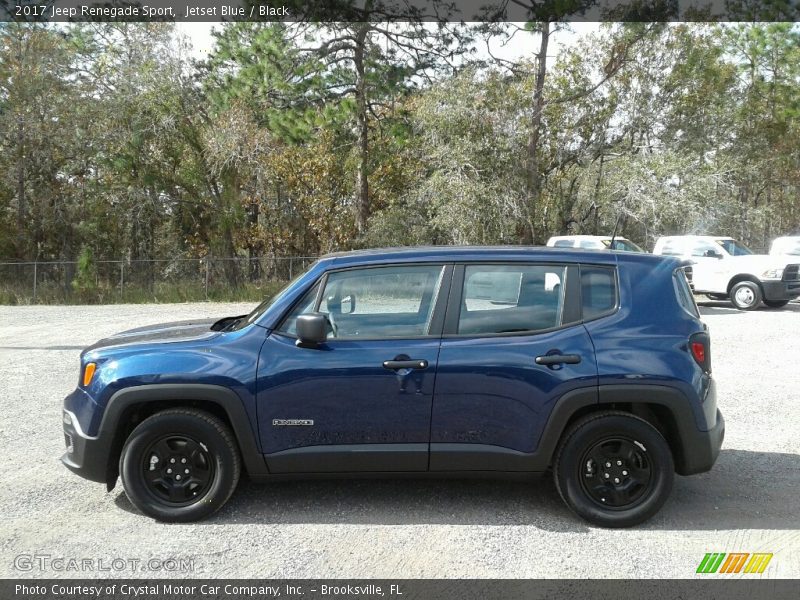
pixel 381 302
pixel 705 249
pixel 511 298
pixel 734 248
pixel 598 291
pixel 624 245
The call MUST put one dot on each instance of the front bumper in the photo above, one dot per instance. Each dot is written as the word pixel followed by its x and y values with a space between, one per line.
pixel 781 290
pixel 86 456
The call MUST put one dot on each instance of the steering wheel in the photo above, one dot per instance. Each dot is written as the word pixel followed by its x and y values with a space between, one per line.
pixel 334 326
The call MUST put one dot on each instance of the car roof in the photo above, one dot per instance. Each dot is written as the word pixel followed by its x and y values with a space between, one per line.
pixel 413 254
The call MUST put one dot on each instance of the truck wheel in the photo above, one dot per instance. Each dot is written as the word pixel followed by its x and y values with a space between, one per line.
pixel 614 469
pixel 776 303
pixel 746 295
pixel 180 465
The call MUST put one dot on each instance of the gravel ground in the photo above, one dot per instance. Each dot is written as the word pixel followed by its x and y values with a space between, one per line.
pixel 750 502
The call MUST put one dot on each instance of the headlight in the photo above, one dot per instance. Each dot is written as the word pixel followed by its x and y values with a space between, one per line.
pixel 772 274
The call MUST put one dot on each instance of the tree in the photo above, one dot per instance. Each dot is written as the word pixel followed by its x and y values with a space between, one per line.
pixel 372 63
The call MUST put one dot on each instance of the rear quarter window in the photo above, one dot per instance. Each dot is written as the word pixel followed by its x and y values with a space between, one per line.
pixel 598 291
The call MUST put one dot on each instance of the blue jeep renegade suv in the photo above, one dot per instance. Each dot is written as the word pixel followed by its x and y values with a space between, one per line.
pixel 501 362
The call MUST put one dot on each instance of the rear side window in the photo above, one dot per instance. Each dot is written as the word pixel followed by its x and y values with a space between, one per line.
pixel 511 298
pixel 598 291
pixel 563 244
pixel 684 293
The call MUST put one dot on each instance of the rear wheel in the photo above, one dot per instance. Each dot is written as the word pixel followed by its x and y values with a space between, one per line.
pixel 614 469
pixel 180 465
pixel 776 303
pixel 746 295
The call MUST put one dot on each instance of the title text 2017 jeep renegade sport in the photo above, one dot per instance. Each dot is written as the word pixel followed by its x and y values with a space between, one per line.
pixel 502 362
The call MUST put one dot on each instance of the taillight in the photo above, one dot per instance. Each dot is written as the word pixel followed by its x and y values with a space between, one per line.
pixel 700 347
pixel 699 352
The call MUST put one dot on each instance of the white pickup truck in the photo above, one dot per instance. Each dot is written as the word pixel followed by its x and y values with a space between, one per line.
pixel 724 268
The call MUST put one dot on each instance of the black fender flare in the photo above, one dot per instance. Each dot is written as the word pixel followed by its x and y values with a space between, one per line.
pixel 693 450
pixel 225 398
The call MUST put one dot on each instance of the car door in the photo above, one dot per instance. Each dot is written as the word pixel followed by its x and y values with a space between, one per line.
pixel 362 400
pixel 710 267
pixel 509 351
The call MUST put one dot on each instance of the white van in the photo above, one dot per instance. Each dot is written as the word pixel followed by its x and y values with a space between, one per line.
pixel 724 268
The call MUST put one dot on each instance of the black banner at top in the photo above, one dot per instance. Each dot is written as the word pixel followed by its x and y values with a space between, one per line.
pixel 398 10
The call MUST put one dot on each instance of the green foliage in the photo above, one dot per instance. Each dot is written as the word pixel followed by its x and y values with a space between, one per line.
pixel 85 280
pixel 305 138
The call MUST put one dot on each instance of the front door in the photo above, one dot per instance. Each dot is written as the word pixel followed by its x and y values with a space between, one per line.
pixel 513 345
pixel 362 400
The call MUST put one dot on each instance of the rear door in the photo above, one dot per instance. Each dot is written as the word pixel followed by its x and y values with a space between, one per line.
pixel 513 344
pixel 362 400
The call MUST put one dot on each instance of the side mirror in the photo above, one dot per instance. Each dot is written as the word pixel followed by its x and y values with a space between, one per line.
pixel 712 254
pixel 312 330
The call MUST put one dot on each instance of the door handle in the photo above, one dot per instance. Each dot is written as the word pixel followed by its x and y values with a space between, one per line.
pixel 557 359
pixel 410 363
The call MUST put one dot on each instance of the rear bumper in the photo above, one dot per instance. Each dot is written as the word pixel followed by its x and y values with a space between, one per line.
pixel 701 449
pixel 781 290
pixel 85 455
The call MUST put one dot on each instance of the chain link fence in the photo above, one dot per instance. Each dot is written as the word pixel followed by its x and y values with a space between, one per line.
pixel 159 280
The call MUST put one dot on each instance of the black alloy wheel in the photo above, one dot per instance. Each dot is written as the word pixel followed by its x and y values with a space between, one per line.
pixel 180 465
pixel 616 473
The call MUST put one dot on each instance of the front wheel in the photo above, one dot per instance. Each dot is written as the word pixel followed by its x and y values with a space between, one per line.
pixel 776 303
pixel 746 295
pixel 180 465
pixel 614 469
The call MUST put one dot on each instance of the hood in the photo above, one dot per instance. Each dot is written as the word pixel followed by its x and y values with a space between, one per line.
pixel 178 331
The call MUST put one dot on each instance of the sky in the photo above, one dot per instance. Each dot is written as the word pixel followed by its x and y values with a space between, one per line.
pixel 522 44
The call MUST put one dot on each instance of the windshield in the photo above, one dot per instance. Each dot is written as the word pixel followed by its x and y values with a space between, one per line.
pixel 262 308
pixel 624 245
pixel 734 248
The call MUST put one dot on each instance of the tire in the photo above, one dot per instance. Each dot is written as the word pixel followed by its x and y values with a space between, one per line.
pixel 746 295
pixel 718 296
pixel 644 478
pixel 776 303
pixel 172 441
